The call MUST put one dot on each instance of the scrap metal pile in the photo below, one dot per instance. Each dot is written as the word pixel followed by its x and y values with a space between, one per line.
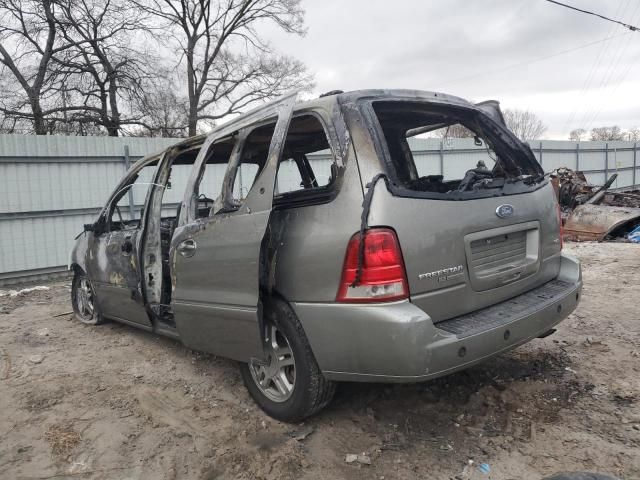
pixel 592 212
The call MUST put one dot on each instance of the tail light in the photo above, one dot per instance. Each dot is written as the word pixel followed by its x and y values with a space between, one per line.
pixel 383 277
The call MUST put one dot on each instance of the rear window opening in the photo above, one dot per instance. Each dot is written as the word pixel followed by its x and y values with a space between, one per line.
pixel 452 152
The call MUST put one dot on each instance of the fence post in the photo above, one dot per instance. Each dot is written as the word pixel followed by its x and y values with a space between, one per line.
pixel 578 156
pixel 540 151
pixel 635 163
pixel 127 164
pixel 442 157
pixel 606 162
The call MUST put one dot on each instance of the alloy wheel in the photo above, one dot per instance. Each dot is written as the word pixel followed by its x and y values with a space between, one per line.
pixel 275 377
pixel 85 300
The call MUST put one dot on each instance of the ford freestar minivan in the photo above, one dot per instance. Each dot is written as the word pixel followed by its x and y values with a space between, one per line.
pixel 309 242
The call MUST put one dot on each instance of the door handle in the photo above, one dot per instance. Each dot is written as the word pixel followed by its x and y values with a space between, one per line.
pixel 187 248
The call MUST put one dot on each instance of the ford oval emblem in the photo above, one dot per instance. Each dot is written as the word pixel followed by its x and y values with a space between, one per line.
pixel 505 211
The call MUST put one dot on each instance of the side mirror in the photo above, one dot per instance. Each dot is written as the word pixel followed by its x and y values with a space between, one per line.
pixel 89 227
pixel 477 141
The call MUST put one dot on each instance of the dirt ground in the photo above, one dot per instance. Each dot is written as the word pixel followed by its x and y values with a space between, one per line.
pixel 114 402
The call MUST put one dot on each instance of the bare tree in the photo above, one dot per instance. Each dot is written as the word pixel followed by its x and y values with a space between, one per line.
pixel 607 133
pixel 633 134
pixel 524 124
pixel 14 124
pixel 28 41
pixel 79 66
pixel 164 113
pixel 101 68
pixel 577 135
pixel 456 130
pixel 227 64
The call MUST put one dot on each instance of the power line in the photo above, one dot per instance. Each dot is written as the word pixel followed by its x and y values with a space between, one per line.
pixel 625 25
pixel 593 72
pixel 617 84
pixel 620 80
pixel 593 111
pixel 528 62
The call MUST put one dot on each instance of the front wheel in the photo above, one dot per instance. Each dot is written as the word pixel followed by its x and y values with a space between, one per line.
pixel 288 385
pixel 83 300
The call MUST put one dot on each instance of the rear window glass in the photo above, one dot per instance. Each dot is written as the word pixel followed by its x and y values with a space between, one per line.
pixel 449 151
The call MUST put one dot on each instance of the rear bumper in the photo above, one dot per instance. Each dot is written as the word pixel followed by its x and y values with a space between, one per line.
pixel 398 342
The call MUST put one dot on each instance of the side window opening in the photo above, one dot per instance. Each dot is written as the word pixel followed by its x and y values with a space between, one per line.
pixel 176 184
pixel 245 176
pixel 127 206
pixel 308 164
pixel 210 185
pixel 253 157
pixel 448 151
pixel 290 176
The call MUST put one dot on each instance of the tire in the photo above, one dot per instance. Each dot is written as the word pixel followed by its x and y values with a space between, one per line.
pixel 83 300
pixel 310 390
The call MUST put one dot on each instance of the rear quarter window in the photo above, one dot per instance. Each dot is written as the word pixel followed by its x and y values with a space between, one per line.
pixel 308 166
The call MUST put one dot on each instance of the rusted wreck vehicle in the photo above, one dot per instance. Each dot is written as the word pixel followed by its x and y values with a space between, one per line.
pixel 592 212
pixel 307 242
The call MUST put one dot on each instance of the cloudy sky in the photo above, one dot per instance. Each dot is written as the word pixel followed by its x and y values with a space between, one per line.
pixel 572 69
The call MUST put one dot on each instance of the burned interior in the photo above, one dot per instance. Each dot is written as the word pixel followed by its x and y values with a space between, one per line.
pixel 228 172
pixel 506 165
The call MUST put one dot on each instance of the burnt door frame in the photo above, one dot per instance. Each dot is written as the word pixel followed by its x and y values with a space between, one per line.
pixel 216 260
pixel 113 258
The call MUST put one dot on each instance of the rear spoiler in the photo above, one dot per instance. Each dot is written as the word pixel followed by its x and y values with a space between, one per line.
pixel 492 108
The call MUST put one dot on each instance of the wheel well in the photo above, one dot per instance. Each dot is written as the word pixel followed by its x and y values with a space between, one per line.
pixel 267 299
pixel 273 296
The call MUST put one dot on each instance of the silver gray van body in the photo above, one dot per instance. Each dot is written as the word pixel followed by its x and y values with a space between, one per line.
pixel 482 266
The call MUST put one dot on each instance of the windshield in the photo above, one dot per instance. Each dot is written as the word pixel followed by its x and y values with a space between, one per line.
pixel 452 152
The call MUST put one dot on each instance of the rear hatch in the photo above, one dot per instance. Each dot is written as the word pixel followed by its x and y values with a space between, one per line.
pixel 476 219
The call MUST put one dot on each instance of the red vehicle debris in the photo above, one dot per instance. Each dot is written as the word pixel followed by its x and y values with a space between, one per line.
pixel 592 212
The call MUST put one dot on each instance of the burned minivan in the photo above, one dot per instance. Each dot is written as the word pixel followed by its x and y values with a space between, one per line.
pixel 309 242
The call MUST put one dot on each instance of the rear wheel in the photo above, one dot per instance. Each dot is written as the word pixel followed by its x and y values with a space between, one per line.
pixel 289 385
pixel 83 300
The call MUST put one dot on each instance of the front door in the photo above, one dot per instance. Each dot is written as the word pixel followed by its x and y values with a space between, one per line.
pixel 112 258
pixel 216 259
